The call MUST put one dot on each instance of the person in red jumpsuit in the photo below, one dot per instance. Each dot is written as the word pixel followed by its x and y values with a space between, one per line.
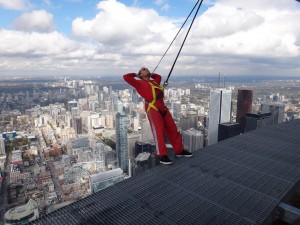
pixel 159 116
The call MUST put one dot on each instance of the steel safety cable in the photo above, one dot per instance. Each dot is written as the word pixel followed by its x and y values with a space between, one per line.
pixel 176 36
pixel 166 82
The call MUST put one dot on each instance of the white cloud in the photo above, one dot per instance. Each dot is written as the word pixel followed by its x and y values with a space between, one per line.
pixel 50 53
pixel 244 37
pixel 35 44
pixel 241 32
pixel 246 32
pixel 260 5
pixel 257 39
pixel 38 20
pixel 164 6
pixel 15 4
pixel 119 26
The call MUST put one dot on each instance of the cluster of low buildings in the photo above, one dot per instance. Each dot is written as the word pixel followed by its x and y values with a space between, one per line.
pixel 84 145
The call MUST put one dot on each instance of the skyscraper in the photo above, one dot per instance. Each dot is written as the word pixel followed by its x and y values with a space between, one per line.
pixel 118 106
pixel 101 99
pixel 277 110
pixel 189 121
pixel 219 112
pixel 2 146
pixel 75 111
pixel 228 130
pixel 77 124
pixel 132 139
pixel 121 141
pixel 146 131
pixel 176 108
pixel 142 162
pixel 99 156
pixel 144 147
pixel 256 120
pixel 134 96
pixel 72 104
pixel 244 105
pixel 192 140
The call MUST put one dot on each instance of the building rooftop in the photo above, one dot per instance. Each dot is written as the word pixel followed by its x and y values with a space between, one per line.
pixel 237 181
pixel 229 124
pixel 105 175
pixel 21 211
pixel 143 156
pixel 258 114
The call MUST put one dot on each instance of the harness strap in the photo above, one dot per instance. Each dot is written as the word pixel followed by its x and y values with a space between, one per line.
pixel 151 104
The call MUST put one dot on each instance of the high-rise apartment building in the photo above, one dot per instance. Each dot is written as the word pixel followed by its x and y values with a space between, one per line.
pixel 146 131
pixel 94 120
pixel 134 96
pixel 77 124
pixel 109 121
pixel 176 108
pixel 276 109
pixel 122 142
pixel 72 104
pixel 192 140
pixel 136 124
pixel 2 146
pixel 244 105
pixel 75 111
pixel 99 156
pixel 118 106
pixel 132 139
pixel 189 121
pixel 219 112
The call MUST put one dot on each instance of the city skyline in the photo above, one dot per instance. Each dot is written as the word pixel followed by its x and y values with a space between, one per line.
pixel 66 139
pixel 111 38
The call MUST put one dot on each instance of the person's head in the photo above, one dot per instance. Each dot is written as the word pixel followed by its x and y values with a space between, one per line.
pixel 144 73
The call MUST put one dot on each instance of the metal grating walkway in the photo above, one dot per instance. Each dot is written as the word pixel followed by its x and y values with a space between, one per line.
pixel 236 182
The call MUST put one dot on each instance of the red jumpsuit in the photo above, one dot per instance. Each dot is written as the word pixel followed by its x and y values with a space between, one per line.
pixel 160 124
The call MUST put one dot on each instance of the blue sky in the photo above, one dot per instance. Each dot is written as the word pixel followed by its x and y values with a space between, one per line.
pixel 113 37
pixel 67 10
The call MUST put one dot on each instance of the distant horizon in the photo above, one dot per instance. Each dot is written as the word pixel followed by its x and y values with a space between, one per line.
pixel 207 78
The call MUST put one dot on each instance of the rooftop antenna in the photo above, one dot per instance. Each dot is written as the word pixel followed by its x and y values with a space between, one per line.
pixel 219 80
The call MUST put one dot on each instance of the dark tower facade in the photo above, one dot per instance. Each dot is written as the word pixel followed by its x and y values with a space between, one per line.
pixel 256 120
pixel 244 105
pixel 228 130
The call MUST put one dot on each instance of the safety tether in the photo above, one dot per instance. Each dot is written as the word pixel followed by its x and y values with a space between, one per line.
pixel 166 82
pixel 175 36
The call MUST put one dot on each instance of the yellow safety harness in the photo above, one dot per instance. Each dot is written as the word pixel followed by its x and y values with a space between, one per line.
pixel 151 104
